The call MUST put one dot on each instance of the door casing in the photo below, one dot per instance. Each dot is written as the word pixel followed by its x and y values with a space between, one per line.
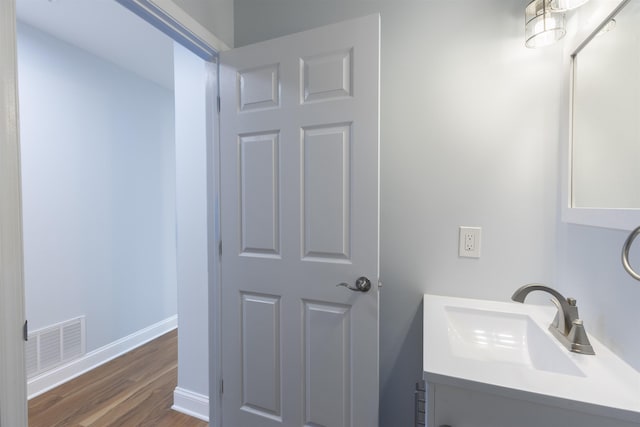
pixel 13 390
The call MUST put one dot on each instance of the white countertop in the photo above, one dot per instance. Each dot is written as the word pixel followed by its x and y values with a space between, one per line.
pixel 602 384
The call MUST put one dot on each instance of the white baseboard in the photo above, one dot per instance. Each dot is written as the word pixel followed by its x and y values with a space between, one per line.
pixel 191 403
pixel 60 375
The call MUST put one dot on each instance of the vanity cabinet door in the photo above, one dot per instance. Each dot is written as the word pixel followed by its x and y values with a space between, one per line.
pixel 457 407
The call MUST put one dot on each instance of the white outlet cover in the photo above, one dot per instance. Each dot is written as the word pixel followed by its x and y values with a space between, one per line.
pixel 469 242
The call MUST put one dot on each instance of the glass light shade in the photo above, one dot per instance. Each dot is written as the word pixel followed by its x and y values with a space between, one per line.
pixel 562 5
pixel 542 26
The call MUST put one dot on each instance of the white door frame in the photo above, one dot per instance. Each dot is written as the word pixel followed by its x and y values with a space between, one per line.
pixel 13 388
pixel 181 27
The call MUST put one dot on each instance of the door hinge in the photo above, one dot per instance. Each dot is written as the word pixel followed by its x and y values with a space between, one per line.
pixel 221 386
pixel 25 330
pixel 218 101
pixel 220 248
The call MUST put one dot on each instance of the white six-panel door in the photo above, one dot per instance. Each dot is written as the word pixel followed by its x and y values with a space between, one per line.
pixel 299 215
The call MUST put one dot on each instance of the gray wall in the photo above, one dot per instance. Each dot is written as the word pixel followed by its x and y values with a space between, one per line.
pixel 214 15
pixel 98 173
pixel 469 125
pixel 607 296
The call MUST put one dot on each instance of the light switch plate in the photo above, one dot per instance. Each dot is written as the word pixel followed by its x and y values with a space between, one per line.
pixel 469 242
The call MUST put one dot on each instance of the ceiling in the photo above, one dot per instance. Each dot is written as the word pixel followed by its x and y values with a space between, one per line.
pixel 106 29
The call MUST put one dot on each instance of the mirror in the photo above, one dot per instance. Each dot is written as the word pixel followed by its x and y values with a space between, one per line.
pixel 605 154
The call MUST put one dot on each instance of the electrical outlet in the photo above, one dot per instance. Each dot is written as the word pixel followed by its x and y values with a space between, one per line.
pixel 469 242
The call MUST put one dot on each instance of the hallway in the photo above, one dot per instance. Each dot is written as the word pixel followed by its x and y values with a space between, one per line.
pixel 136 389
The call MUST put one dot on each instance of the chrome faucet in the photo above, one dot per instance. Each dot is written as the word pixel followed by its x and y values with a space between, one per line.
pixel 566 326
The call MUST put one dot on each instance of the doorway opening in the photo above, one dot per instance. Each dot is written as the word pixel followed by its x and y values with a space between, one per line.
pixel 116 126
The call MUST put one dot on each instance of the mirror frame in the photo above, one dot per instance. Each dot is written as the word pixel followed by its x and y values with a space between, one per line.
pixel 595 17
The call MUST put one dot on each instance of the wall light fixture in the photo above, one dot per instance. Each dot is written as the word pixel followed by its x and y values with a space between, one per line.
pixel 563 5
pixel 543 25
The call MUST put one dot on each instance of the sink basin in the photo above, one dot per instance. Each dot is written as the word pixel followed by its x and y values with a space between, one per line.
pixel 506 349
pixel 494 336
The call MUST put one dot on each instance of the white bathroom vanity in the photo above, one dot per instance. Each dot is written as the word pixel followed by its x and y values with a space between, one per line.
pixel 495 364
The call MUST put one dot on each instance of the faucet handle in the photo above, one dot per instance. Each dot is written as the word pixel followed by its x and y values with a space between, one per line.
pixel 578 338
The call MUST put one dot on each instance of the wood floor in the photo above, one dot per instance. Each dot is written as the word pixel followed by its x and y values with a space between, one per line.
pixel 135 389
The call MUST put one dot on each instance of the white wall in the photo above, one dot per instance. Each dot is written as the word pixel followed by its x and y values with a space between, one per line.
pixel 192 221
pixel 215 15
pixel 469 122
pixel 98 169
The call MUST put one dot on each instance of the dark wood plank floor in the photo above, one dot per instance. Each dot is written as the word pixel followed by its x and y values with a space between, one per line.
pixel 135 389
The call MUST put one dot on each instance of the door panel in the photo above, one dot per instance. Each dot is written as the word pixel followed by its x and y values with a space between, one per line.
pixel 327 364
pixel 259 88
pixel 261 380
pixel 299 215
pixel 326 187
pixel 326 76
pixel 259 195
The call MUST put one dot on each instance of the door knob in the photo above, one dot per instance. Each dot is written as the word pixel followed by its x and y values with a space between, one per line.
pixel 362 285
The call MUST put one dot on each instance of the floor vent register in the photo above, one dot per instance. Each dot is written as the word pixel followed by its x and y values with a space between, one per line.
pixel 55 345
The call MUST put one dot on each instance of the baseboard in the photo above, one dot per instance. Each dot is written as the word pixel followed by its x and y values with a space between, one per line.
pixel 191 403
pixel 60 375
